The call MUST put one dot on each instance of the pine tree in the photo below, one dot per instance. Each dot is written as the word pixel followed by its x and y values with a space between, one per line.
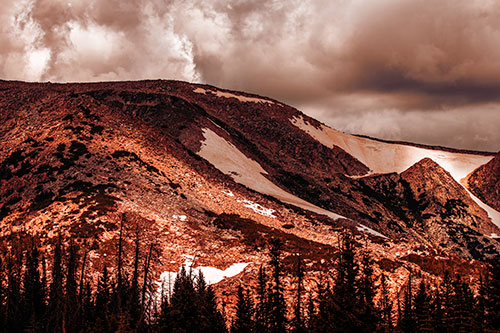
pixel 367 291
pixel 88 308
pixel 298 318
pixel 56 305
pixel 71 300
pixel 323 318
pixel 446 293
pixel 385 306
pixel 345 294
pixel 211 319
pixel 407 321
pixel 3 278
pixel 422 310
pixel 310 314
pixel 119 274
pixel 243 321
pixel 102 301
pixel 480 316
pixel 277 303
pixel 262 306
pixel 13 307
pixel 134 306
pixel 34 303
pixel 184 313
pixel 462 310
pixel 492 296
pixel 437 311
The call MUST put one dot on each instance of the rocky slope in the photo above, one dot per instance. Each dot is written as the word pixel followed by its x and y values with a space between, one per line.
pixel 485 183
pixel 214 174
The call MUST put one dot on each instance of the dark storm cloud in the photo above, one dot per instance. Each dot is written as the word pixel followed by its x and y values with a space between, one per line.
pixel 390 68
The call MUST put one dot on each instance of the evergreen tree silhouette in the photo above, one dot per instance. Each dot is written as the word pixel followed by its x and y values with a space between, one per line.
pixel 14 316
pixel 298 317
pixel 184 314
pixel 3 277
pixel 446 296
pixel 462 309
pixel 71 299
pixel 211 319
pixel 103 301
pixel 422 304
pixel 367 291
pixel 385 306
pixel 243 321
pixel 492 295
pixel 33 294
pixel 345 294
pixel 437 312
pixel 262 306
pixel 407 321
pixel 56 304
pixel 277 305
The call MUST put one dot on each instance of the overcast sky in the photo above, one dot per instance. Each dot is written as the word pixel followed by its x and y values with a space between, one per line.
pixel 417 70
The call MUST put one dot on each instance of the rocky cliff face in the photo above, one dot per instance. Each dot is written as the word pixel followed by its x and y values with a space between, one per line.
pixel 79 159
pixel 485 183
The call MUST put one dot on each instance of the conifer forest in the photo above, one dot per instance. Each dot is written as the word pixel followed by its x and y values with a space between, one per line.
pixel 60 297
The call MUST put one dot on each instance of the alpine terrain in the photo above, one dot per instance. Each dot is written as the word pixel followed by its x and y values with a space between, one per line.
pixel 205 177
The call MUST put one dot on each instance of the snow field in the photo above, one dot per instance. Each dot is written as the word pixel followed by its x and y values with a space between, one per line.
pixel 382 157
pixel 224 94
pixel 231 161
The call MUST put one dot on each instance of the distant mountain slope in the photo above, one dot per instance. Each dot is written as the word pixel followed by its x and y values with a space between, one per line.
pixel 485 183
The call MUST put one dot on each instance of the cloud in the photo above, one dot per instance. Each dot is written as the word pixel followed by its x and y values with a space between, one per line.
pixel 348 63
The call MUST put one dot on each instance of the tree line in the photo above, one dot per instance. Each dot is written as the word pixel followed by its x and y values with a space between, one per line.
pixel 61 297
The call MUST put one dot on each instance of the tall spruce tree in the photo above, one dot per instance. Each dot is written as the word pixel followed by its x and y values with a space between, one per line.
pixel 244 320
pixel 56 304
pixel 492 296
pixel 437 312
pixel 446 297
pixel 262 305
pixel 462 309
pixel 367 291
pixel 298 316
pixel 33 299
pixel 134 306
pixel 385 306
pixel 71 299
pixel 277 305
pixel 407 321
pixel 14 316
pixel 184 312
pixel 3 277
pixel 422 305
pixel 345 293
pixel 102 302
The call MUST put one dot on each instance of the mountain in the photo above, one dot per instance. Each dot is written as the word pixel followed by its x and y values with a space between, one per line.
pixel 485 182
pixel 209 175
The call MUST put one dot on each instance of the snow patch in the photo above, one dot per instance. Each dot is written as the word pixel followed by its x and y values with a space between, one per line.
pixel 258 208
pixel 231 161
pixel 224 94
pixel 367 230
pixel 212 275
pixel 228 193
pixel 179 217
